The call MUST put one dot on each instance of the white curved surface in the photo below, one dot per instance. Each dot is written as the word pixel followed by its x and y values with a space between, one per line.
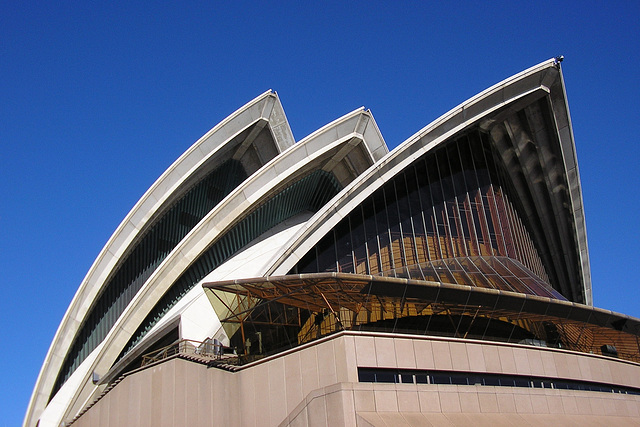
pixel 284 167
pixel 265 107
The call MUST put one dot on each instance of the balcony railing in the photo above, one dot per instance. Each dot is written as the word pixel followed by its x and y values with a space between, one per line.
pixel 207 350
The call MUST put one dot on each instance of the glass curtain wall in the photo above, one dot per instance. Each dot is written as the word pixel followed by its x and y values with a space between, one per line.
pixel 153 247
pixel 451 203
pixel 309 193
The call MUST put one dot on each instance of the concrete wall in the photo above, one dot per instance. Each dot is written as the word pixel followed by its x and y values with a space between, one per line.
pixel 317 385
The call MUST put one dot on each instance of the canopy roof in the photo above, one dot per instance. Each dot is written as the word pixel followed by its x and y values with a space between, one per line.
pixel 362 302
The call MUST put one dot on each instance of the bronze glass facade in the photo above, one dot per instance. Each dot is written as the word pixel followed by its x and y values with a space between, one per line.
pixel 449 217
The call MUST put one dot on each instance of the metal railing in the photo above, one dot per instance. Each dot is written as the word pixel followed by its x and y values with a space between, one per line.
pixel 209 349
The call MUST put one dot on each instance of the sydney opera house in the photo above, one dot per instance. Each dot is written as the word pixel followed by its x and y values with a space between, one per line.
pixel 262 281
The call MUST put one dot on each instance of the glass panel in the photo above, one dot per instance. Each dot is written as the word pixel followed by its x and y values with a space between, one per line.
pixel 371 236
pixel 394 226
pixel 343 246
pixel 405 221
pixel 358 241
pixel 382 223
pixel 327 253
pixel 420 237
pixel 429 272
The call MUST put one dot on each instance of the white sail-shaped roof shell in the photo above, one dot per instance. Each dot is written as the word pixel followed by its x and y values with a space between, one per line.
pixel 350 149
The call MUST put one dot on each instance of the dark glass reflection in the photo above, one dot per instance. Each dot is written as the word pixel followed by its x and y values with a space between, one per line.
pixel 450 204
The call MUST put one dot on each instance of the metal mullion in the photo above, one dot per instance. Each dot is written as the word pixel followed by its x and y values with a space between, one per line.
pixel 411 215
pixel 437 242
pixel 422 205
pixel 476 188
pixel 312 191
pixel 390 226
pixel 520 254
pixel 171 230
pixel 403 251
pixel 137 277
pixel 504 200
pixel 424 223
pixel 367 261
pixel 507 238
pixel 433 272
pixel 410 233
pixel 493 208
pixel 447 272
pixel 479 230
pixel 366 233
pixel 319 195
pixel 473 165
pixel 286 206
pixel 477 273
pixel 460 230
pixel 351 245
pixel 388 230
pixel 305 188
pixel 471 224
pixel 433 209
pixel 516 320
pixel 524 242
pixel 240 237
pixel 486 235
pixel 358 212
pixel 516 277
pixel 208 262
pixel 377 234
pixel 493 272
pixel 534 257
pixel 244 236
pixel 447 226
pixel 491 165
pixel 217 252
pixel 327 190
pixel 268 210
pixel 202 207
pixel 505 276
pixel 255 223
pixel 336 265
pixel 481 211
pixel 191 204
pixel 463 272
pixel 528 250
pixel 462 238
pixel 491 316
pixel 226 244
pixel 306 200
pixel 462 165
pixel 316 196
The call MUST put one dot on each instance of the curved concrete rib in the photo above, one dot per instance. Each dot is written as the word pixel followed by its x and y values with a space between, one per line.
pixel 265 108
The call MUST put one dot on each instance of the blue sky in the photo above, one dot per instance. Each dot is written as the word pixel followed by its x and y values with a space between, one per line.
pixel 97 99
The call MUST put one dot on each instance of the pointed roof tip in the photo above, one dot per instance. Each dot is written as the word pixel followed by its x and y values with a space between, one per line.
pixel 557 60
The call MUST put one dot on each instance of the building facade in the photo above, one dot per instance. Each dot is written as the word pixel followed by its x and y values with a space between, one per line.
pixel 329 281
